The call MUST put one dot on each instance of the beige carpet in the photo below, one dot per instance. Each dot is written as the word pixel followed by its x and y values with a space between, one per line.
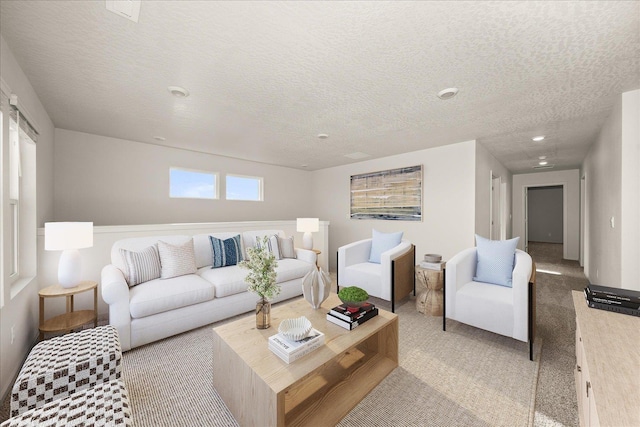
pixel 462 377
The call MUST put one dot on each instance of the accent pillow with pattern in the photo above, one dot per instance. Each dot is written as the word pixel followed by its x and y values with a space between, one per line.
pixel 141 266
pixel 226 252
pixel 176 260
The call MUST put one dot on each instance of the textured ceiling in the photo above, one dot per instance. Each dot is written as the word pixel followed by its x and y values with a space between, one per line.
pixel 267 77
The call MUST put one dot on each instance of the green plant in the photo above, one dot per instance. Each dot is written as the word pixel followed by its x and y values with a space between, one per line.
pixel 353 293
pixel 262 271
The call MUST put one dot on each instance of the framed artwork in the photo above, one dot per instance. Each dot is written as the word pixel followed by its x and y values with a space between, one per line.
pixel 394 194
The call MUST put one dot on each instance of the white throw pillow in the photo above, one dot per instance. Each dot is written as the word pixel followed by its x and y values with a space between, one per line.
pixel 141 266
pixel 272 245
pixel 176 260
pixel 287 250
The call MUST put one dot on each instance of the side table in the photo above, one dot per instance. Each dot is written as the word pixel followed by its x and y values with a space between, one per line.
pixel 71 319
pixel 429 301
pixel 318 252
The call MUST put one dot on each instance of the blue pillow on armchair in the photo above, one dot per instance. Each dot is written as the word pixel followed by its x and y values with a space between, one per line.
pixel 382 242
pixel 496 259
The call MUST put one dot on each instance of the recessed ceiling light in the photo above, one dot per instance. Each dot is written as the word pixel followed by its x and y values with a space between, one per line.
pixel 543 163
pixel 178 92
pixel 304 166
pixel 448 93
pixel 538 138
pixel 159 138
pixel 542 157
pixel 323 136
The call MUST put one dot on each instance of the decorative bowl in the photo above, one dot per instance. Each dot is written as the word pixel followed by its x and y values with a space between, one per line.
pixel 295 329
pixel 432 258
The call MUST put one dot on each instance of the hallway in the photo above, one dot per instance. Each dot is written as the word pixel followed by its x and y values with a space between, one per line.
pixel 556 403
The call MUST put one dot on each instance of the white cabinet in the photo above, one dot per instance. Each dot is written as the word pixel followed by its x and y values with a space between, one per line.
pixel 586 403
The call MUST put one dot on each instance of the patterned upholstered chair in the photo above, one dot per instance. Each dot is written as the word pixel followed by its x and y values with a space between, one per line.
pixel 507 308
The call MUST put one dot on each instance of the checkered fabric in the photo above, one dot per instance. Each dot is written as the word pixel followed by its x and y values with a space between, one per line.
pixel 63 365
pixel 106 404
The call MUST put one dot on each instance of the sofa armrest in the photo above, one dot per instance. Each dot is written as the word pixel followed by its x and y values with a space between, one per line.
pixel 353 253
pixel 306 255
pixel 520 286
pixel 115 292
pixel 460 271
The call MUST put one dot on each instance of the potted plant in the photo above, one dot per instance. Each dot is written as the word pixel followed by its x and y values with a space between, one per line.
pixel 261 264
pixel 353 297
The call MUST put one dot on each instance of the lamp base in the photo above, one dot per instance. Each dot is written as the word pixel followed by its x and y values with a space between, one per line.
pixel 307 240
pixel 70 268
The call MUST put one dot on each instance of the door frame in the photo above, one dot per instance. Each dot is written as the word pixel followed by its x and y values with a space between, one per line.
pixel 565 214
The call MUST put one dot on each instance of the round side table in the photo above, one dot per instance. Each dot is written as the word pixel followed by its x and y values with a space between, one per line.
pixel 430 300
pixel 71 319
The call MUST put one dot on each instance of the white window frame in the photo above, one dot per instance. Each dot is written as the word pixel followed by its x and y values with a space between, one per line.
pixel 259 179
pixel 216 183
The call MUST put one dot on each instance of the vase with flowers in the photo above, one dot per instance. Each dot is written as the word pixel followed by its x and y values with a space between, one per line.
pixel 262 264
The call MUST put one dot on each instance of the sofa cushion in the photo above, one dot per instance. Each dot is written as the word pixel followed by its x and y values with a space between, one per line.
pixel 226 281
pixel 176 260
pixel 159 295
pixel 486 306
pixel 140 243
pixel 142 266
pixel 202 246
pixel 226 252
pixel 249 237
pixel 290 268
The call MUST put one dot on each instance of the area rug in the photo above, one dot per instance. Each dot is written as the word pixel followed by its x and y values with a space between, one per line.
pixel 461 377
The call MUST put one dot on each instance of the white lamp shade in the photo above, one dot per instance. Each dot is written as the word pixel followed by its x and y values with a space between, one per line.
pixel 311 225
pixel 59 236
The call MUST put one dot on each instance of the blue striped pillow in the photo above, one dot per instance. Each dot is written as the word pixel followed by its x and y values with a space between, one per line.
pixel 226 252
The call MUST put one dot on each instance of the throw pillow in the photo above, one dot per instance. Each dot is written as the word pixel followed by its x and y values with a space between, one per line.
pixel 272 245
pixel 496 259
pixel 176 260
pixel 382 242
pixel 141 266
pixel 287 250
pixel 226 252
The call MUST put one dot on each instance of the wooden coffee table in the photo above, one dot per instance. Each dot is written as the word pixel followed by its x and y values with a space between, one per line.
pixel 319 389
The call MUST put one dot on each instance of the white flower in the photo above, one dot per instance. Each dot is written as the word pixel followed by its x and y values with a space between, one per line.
pixel 262 270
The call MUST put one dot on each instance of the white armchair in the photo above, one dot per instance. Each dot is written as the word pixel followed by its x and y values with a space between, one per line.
pixel 391 280
pixel 499 309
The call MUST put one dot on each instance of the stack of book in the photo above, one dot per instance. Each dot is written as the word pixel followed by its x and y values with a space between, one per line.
pixel 432 265
pixel 290 351
pixel 613 299
pixel 341 316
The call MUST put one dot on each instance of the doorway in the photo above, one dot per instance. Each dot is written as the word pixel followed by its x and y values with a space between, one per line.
pixel 544 217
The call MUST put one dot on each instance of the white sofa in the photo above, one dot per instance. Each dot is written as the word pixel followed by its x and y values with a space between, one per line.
pixel 161 308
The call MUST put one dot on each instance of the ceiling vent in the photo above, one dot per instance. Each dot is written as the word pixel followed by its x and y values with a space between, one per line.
pixel 357 155
pixel 543 167
pixel 129 9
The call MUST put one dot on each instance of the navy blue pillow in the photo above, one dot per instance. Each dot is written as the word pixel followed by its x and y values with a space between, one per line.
pixel 226 252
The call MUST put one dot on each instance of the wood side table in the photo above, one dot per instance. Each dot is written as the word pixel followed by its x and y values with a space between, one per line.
pixel 71 319
pixel 318 252
pixel 430 300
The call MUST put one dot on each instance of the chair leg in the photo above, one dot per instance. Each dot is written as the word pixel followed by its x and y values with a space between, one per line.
pixel 337 271
pixel 530 321
pixel 531 350
pixel 444 299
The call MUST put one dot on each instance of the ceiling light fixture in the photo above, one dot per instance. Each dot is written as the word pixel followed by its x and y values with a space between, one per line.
pixel 178 92
pixel 542 157
pixel 543 163
pixel 448 93
pixel 538 138
pixel 159 138
pixel 323 136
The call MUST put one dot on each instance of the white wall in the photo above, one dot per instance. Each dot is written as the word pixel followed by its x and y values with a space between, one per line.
pixel 448 208
pixel 21 311
pixel 613 185
pixel 116 182
pixel 486 167
pixel 571 181
pixel 630 181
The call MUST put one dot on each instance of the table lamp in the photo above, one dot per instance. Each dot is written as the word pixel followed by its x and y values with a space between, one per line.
pixel 307 226
pixel 68 237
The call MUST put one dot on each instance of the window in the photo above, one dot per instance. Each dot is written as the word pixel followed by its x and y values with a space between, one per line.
pixel 19 217
pixel 186 183
pixel 244 187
